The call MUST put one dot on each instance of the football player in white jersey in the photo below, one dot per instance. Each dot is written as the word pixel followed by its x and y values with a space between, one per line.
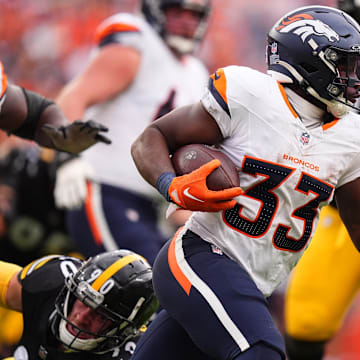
pixel 29 115
pixel 296 144
pixel 142 68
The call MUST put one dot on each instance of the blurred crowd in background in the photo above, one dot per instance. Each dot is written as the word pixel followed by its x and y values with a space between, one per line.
pixel 43 44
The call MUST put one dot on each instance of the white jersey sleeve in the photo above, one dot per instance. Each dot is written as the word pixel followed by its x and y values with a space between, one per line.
pixel 123 28
pixel 228 101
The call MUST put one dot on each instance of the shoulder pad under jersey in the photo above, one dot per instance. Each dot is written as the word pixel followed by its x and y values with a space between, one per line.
pixel 48 272
pixel 237 85
pixel 117 27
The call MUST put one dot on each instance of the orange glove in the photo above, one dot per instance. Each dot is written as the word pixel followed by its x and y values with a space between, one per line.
pixel 191 192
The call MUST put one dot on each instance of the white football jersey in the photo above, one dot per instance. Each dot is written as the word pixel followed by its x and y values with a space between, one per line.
pixel 162 83
pixel 288 172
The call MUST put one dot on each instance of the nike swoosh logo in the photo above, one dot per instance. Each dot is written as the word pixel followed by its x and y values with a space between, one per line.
pixel 187 193
pixel 216 76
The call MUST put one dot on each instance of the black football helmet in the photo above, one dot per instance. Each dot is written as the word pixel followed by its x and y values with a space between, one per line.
pixel 153 11
pixel 318 49
pixel 116 285
pixel 352 7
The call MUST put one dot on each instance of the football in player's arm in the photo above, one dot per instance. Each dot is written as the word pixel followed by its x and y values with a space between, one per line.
pixel 295 143
pixel 29 115
pixel 97 307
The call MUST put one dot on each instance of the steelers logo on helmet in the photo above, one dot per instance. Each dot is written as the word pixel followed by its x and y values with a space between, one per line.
pixel 154 12
pixel 117 288
pixel 317 49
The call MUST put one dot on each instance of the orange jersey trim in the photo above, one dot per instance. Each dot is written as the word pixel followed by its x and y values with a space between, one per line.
pixel 219 82
pixel 103 32
pixel 283 93
pixel 91 216
pixel 217 86
pixel 330 124
pixel 175 268
pixel 3 80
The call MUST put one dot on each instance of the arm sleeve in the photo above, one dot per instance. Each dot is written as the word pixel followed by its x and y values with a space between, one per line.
pixel 7 271
pixel 36 104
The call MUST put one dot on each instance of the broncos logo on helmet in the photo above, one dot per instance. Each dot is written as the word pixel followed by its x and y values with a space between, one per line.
pixel 304 27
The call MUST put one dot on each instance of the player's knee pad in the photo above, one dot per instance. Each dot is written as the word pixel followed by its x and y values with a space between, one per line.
pixel 261 351
pixel 304 350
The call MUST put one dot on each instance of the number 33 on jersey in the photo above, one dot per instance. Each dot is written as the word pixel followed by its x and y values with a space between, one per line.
pixel 287 171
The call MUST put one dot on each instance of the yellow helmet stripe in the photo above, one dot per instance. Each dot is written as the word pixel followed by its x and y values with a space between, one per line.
pixel 112 269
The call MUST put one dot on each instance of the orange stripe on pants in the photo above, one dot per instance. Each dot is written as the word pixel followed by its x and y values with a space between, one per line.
pixel 175 268
pixel 91 215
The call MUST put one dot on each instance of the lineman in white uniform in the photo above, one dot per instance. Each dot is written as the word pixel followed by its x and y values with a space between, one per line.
pixel 142 69
pixel 296 146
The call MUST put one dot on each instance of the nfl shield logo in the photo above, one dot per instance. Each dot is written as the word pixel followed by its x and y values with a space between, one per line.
pixel 274 48
pixel 305 138
pixel 216 250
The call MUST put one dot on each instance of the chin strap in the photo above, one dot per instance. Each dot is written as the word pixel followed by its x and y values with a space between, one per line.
pixel 337 108
pixel 180 44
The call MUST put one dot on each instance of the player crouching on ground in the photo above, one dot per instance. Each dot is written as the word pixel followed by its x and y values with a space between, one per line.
pixel 71 307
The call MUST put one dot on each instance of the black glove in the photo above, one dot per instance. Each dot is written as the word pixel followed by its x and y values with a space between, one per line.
pixel 77 136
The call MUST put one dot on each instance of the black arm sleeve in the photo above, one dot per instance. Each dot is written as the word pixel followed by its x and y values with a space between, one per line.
pixel 36 104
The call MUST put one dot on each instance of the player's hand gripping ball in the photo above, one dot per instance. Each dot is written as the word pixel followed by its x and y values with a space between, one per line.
pixel 207 180
pixel 190 157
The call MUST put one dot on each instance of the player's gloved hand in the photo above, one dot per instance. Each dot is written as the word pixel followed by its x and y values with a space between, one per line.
pixel 191 192
pixel 77 136
pixel 70 185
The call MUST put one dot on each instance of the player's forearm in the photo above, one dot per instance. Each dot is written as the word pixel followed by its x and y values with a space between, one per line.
pixel 72 102
pixel 52 115
pixel 151 155
pixel 10 288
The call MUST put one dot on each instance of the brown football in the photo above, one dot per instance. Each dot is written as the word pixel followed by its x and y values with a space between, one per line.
pixel 191 157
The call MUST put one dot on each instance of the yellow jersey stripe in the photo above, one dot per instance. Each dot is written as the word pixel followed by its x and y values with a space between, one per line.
pixel 28 269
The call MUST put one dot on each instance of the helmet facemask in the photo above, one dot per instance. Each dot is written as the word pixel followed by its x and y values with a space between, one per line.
pixel 346 84
pixel 104 303
pixel 78 338
pixel 155 13
pixel 342 90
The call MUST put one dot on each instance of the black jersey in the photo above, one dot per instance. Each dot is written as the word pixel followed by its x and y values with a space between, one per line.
pixel 41 282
